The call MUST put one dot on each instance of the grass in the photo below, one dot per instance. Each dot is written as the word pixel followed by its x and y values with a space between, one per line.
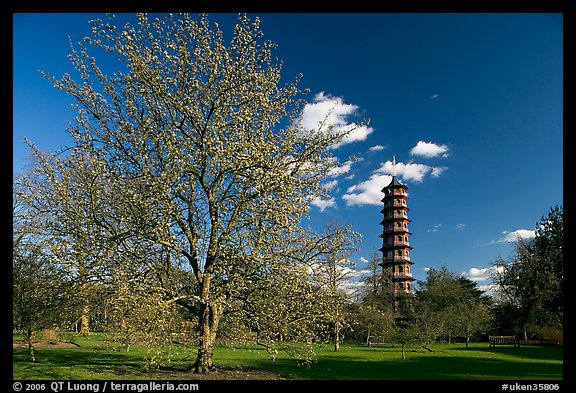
pixel 97 359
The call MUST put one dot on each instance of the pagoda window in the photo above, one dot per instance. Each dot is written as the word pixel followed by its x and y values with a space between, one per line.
pixel 399 253
pixel 400 269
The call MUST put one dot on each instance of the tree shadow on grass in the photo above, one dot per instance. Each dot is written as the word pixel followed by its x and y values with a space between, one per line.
pixel 532 352
pixel 531 364
pixel 51 363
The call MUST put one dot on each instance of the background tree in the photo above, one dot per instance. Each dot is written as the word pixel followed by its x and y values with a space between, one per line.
pixel 532 282
pixel 68 198
pixel 470 318
pixel 449 305
pixel 332 273
pixel 202 147
pixel 39 292
pixel 373 314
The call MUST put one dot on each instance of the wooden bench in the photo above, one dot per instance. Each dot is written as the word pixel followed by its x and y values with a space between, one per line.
pixel 503 340
pixel 378 340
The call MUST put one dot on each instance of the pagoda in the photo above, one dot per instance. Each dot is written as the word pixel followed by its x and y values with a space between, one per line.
pixel 395 236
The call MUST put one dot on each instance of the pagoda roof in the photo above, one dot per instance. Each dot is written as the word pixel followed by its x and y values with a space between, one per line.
pixel 395 182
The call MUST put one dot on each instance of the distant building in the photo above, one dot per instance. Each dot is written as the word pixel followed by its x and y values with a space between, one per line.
pixel 395 237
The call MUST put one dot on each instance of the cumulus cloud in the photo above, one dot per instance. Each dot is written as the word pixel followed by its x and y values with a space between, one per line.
pixel 369 192
pixel 410 171
pixel 512 237
pixel 479 274
pixel 353 284
pixel 323 204
pixel 437 171
pixel 342 169
pixel 330 185
pixel 376 148
pixel 326 110
pixel 429 149
pixel 484 279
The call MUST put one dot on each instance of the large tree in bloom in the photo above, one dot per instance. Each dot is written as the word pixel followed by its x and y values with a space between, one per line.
pixel 203 151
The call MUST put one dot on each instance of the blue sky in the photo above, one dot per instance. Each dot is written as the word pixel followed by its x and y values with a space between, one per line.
pixel 469 104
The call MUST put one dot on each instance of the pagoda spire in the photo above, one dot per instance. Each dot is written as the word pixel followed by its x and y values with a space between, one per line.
pixel 393 165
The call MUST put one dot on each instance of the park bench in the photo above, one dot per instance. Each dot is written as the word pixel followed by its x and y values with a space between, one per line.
pixel 503 340
pixel 378 340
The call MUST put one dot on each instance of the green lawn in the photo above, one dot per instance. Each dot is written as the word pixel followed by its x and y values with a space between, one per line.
pixel 97 359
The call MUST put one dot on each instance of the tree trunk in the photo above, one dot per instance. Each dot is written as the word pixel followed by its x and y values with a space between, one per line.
pixel 31 356
pixel 467 341
pixel 525 334
pixel 84 322
pixel 337 340
pixel 210 314
pixel 403 357
pixel 209 325
pixel 368 336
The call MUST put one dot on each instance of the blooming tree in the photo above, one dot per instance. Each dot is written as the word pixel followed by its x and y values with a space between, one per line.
pixel 200 151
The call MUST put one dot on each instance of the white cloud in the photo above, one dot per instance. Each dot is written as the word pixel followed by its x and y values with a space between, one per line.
pixel 435 228
pixel 429 149
pixel 479 274
pixel 410 171
pixel 359 134
pixel 326 110
pixel 322 204
pixel 434 96
pixel 362 259
pixel 342 169
pixel 330 185
pixel 376 148
pixel 369 192
pixel 512 237
pixel 437 171
pixel 460 226
pixel 485 277
pixel 491 290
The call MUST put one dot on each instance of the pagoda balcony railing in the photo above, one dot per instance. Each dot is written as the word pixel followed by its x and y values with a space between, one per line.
pixel 397 243
pixel 396 229
pixel 396 260
pixel 402 275
pixel 395 204
pixel 396 192
pixel 388 216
